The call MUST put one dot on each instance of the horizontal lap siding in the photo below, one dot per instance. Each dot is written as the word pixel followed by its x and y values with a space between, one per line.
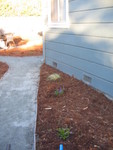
pixel 82 53
pixel 86 47
pixel 83 5
pixel 93 30
pixel 98 83
pixel 99 44
pixel 84 65
pixel 95 16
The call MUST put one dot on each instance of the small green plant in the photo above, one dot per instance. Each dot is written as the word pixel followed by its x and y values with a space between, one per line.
pixel 53 77
pixel 59 91
pixel 63 133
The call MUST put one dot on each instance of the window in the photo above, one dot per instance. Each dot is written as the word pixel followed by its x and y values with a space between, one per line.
pixel 58 13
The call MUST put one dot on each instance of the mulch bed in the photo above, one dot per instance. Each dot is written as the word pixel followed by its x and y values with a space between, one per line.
pixel 20 51
pixel 88 114
pixel 3 69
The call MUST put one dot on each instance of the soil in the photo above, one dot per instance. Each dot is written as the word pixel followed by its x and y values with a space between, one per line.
pixel 23 47
pixel 3 69
pixel 86 112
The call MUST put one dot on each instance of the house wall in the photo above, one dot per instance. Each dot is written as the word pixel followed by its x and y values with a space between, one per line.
pixel 85 49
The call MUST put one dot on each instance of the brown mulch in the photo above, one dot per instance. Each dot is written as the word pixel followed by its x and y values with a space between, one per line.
pixel 88 114
pixel 3 69
pixel 19 50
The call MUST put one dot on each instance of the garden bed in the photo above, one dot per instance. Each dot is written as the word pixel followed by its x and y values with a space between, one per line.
pixel 3 69
pixel 87 113
pixel 23 47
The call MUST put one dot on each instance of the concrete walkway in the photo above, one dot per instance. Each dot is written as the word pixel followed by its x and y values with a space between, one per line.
pixel 18 102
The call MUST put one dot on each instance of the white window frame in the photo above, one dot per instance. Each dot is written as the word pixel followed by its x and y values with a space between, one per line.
pixel 58 24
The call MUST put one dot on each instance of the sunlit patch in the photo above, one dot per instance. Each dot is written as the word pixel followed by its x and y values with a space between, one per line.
pixel 23 47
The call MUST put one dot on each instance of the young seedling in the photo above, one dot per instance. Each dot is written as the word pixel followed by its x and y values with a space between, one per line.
pixel 59 91
pixel 63 133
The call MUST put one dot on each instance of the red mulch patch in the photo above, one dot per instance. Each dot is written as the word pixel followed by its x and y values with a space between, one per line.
pixel 3 69
pixel 19 50
pixel 88 114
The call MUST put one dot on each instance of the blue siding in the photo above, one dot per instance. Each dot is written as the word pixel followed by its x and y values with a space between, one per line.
pixel 92 16
pixel 83 5
pixel 96 82
pixel 94 43
pixel 84 65
pixel 82 53
pixel 86 47
pixel 99 30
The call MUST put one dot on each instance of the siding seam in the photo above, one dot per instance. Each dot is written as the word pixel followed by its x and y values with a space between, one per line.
pixel 80 69
pixel 83 35
pixel 92 22
pixel 93 9
pixel 92 49
pixel 81 58
pixel 71 0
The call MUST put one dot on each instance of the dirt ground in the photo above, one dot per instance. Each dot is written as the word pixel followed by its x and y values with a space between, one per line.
pixel 3 69
pixel 23 47
pixel 88 114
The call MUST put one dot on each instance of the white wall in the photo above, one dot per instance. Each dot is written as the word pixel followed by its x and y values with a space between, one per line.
pixel 22 26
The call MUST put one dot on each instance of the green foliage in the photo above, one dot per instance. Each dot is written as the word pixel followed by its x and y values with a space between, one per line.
pixel 20 8
pixel 59 92
pixel 56 92
pixel 63 133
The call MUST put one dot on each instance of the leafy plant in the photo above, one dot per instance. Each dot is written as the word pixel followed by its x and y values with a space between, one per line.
pixel 53 77
pixel 63 133
pixel 59 91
